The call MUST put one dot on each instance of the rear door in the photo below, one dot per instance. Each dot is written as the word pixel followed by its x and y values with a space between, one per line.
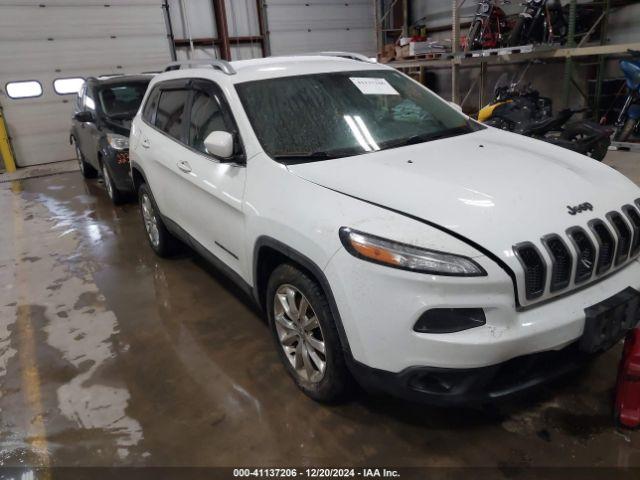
pixel 162 147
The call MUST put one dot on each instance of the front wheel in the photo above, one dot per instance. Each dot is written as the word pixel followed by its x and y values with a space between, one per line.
pixel 305 334
pixel 117 196
pixel 86 170
pixel 581 133
pixel 474 37
pixel 515 37
pixel 623 133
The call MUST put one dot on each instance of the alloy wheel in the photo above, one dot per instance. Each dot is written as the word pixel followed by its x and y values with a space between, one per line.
pixel 80 161
pixel 299 333
pixel 150 221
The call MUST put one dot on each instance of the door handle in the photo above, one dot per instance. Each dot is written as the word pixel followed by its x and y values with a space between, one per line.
pixel 184 166
pixel 145 143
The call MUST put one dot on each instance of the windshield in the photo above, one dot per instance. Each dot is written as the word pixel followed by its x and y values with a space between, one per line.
pixel 338 114
pixel 122 100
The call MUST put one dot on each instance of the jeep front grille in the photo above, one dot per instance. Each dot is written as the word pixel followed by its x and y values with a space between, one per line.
pixel 583 253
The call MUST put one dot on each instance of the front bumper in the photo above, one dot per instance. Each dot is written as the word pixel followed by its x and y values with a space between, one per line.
pixel 450 387
pixel 379 305
pixel 118 162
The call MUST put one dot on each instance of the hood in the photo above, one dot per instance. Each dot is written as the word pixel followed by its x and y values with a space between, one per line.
pixel 492 187
pixel 121 126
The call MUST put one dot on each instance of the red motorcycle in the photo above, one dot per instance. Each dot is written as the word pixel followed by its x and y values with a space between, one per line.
pixel 488 28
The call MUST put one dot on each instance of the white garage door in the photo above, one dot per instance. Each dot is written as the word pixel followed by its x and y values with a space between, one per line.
pixel 45 40
pixel 297 26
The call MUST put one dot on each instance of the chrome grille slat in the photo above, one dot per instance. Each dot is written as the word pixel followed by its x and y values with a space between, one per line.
pixel 561 262
pixel 586 251
pixel 535 270
pixel 606 244
pixel 634 219
pixel 623 232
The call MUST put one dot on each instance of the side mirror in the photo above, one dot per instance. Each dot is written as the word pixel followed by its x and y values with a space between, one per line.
pixel 84 116
pixel 456 106
pixel 219 144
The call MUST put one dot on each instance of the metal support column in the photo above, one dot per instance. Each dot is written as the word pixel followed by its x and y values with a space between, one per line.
pixel 601 62
pixel 220 13
pixel 5 146
pixel 262 25
pixel 482 84
pixel 405 18
pixel 455 42
pixel 571 43
pixel 169 27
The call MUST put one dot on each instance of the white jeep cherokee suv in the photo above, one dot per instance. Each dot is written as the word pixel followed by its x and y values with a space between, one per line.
pixel 387 236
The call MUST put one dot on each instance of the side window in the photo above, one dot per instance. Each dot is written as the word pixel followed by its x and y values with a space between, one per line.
pixel 206 117
pixel 78 101
pixel 149 109
pixel 88 101
pixel 170 113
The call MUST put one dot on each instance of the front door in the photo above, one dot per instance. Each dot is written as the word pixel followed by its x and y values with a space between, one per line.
pixel 212 189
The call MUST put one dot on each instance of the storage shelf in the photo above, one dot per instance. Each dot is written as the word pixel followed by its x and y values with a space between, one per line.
pixel 519 54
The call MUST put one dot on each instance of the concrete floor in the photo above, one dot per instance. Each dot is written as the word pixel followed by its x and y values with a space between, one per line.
pixel 112 356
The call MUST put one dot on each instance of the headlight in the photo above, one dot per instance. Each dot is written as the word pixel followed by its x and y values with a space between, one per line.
pixel 118 142
pixel 407 257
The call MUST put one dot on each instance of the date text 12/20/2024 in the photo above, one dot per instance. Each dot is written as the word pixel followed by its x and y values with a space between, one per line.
pixel 315 473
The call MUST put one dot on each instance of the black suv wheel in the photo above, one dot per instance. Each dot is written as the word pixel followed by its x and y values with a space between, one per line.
pixel 160 239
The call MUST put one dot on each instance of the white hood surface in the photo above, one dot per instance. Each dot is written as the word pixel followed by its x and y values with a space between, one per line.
pixel 494 188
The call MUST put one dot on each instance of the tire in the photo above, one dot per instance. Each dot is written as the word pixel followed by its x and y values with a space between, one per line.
pixel 474 31
pixel 86 169
pixel 161 240
pixel 599 151
pixel 298 339
pixel 515 37
pixel 583 130
pixel 625 132
pixel 117 196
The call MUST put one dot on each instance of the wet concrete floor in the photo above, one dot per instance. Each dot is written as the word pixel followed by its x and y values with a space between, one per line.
pixel 112 356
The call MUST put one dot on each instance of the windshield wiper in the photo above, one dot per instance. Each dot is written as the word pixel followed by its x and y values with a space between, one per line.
pixel 426 137
pixel 303 157
pixel 121 116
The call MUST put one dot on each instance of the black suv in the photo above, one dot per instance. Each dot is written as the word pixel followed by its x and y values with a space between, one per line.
pixel 100 129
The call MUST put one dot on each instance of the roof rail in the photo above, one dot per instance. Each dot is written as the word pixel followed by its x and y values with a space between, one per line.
pixel 350 55
pixel 222 65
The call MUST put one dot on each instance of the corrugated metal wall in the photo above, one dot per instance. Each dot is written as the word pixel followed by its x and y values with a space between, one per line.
pixel 46 39
pixel 308 26
pixel 294 26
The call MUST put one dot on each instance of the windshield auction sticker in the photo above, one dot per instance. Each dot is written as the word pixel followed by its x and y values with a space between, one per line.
pixel 373 86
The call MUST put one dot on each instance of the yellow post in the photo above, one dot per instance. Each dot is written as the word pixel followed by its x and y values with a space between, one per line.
pixel 5 146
